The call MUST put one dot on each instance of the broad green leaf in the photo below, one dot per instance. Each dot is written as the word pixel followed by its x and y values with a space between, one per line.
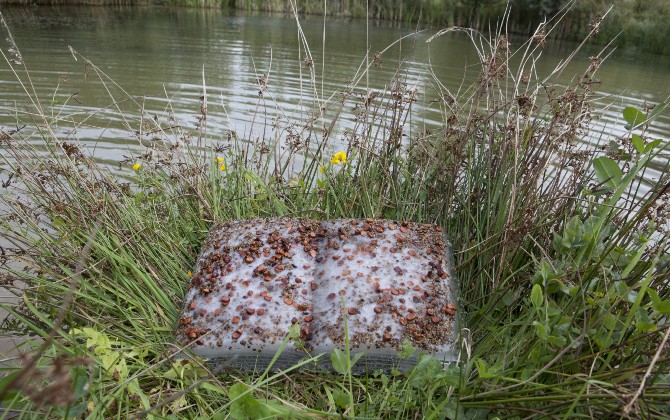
pixel 407 350
pixel 638 143
pixel 573 233
pixel 245 406
pixel 356 358
pixel 4 382
pixel 541 330
pixel 557 340
pixel 662 307
pixel 643 322
pixel 633 116
pixel 609 321
pixel 652 145
pixel 339 360
pixel 341 398
pixel 536 296
pixel 607 171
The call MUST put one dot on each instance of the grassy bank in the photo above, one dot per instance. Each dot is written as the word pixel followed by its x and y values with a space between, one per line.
pixel 562 250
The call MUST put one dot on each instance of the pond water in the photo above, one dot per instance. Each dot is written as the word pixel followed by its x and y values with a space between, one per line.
pixel 159 56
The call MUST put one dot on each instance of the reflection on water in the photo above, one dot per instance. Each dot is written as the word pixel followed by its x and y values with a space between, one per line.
pixel 164 57
pixel 160 56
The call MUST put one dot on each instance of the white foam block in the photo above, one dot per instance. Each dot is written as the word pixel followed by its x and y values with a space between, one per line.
pixel 254 279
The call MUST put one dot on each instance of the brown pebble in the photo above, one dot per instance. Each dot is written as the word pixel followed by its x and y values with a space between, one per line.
pixel 251 311
pixel 436 319
pixel 217 312
pixel 235 319
pixel 249 259
pixel 313 286
pixel 331 296
pixel 260 311
pixel 267 298
pixel 378 309
pixel 309 318
pixel 193 305
pixel 288 301
pixel 352 311
pixel 411 316
pixel 236 334
pixel 387 337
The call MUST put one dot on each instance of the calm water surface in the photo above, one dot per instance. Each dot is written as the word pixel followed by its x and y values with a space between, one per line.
pixel 159 56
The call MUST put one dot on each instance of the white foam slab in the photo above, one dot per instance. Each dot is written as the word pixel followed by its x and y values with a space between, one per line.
pixel 255 278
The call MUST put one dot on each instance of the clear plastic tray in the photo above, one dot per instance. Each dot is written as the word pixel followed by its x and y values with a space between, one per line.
pixel 254 279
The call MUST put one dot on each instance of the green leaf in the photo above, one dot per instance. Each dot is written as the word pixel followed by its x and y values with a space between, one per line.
pixel 609 321
pixel 245 406
pixel 643 322
pixel 638 143
pixel 4 382
pixel 607 171
pixel 661 307
pixel 341 398
pixel 486 371
pixel 652 145
pixel 633 116
pixel 541 330
pixel 339 360
pixel 573 233
pixel 536 296
pixel 356 358
pixel 408 350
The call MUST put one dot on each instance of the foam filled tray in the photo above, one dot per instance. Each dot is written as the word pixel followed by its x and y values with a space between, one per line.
pixel 254 279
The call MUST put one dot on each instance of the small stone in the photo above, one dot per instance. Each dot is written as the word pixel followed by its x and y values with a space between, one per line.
pixel 352 311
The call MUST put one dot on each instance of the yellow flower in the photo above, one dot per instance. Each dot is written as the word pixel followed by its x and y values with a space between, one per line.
pixel 340 157
pixel 137 166
pixel 222 167
pixel 219 159
pixel 322 169
pixel 189 273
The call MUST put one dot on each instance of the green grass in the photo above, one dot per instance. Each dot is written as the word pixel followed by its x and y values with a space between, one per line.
pixel 561 253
